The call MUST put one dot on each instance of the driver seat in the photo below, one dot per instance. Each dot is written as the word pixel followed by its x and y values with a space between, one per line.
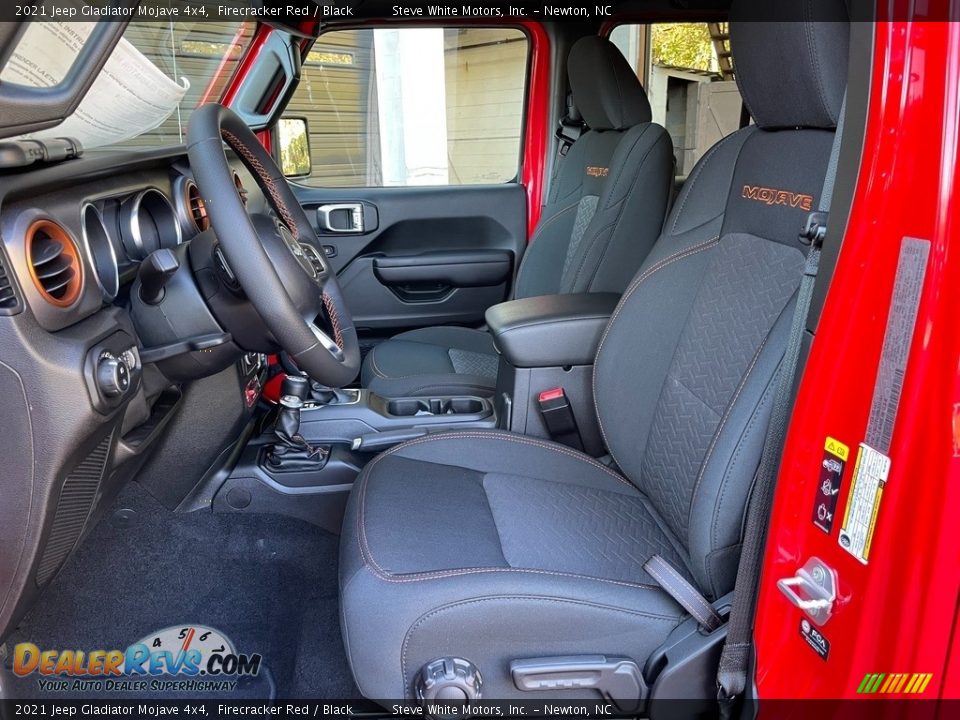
pixel 493 547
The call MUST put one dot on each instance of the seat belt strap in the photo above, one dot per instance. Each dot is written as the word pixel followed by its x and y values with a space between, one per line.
pixel 735 658
pixel 686 595
pixel 569 129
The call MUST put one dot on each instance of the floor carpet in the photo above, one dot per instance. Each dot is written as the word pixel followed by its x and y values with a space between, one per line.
pixel 268 583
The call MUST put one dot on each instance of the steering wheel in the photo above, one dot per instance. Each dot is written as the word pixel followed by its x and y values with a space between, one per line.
pixel 277 260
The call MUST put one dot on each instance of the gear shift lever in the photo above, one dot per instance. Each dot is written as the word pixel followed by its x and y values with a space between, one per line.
pixel 293 446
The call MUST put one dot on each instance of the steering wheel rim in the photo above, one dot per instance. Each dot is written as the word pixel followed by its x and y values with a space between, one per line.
pixel 334 361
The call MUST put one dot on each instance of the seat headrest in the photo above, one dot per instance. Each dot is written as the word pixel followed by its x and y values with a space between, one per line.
pixel 791 73
pixel 605 89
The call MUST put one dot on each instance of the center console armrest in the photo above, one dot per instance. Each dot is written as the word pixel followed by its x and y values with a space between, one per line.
pixel 551 330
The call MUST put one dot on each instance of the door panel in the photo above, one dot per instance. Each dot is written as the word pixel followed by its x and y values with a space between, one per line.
pixel 425 255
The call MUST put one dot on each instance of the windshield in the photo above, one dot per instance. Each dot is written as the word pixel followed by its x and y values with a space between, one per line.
pixel 155 77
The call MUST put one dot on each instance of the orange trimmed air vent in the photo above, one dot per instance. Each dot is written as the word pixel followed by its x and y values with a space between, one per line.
pixel 196 206
pixel 54 262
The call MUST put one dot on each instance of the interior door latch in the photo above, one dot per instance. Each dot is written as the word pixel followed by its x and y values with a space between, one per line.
pixel 813 589
pixel 341 218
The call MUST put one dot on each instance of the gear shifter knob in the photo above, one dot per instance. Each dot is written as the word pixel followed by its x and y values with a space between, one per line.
pixel 296 386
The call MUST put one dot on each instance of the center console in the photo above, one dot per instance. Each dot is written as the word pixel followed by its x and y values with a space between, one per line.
pixel 304 463
pixel 547 344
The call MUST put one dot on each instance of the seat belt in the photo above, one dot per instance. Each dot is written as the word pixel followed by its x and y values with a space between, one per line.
pixel 686 595
pixel 569 129
pixel 735 658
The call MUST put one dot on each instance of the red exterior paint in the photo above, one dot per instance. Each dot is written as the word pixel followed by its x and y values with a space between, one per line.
pixel 217 77
pixel 250 58
pixel 266 139
pixel 897 613
pixel 537 136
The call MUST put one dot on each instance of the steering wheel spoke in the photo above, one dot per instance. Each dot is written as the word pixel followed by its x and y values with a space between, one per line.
pixel 327 341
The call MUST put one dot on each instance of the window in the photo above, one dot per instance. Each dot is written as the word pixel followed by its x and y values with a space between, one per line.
pixel 413 106
pixel 687 71
pixel 200 55
pixel 154 78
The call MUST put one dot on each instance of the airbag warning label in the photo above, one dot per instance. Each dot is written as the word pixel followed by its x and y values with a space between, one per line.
pixel 866 492
pixel 835 456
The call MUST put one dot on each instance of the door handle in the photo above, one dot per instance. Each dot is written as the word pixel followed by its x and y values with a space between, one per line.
pixel 349 215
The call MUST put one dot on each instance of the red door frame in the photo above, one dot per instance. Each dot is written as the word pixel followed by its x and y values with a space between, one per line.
pixel 896 614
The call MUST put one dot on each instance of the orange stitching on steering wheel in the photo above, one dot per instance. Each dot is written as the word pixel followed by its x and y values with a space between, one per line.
pixel 238 146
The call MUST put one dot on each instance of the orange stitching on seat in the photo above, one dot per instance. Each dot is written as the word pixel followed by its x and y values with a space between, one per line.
pixel 373 363
pixel 385 575
pixel 623 301
pixel 254 164
pixel 723 422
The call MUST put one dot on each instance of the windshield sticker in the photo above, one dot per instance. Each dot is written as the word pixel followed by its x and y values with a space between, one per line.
pixel 130 95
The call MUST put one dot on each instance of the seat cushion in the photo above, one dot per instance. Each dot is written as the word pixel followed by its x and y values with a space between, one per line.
pixel 494 546
pixel 433 361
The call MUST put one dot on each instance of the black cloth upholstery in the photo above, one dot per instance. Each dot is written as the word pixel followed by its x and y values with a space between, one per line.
pixel 605 208
pixel 605 88
pixel 449 537
pixel 432 361
pixel 791 74
pixel 494 546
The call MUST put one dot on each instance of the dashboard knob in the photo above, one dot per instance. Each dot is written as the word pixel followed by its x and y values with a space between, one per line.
pixel 113 376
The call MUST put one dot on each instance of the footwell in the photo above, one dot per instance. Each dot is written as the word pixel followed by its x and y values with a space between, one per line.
pixel 267 583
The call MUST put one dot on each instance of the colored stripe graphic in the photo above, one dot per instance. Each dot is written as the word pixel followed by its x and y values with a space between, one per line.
pixel 894 683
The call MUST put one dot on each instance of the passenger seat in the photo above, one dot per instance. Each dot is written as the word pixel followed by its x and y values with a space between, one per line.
pixel 606 206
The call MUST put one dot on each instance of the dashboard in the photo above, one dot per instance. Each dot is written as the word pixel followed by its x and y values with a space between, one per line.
pixel 84 403
pixel 75 239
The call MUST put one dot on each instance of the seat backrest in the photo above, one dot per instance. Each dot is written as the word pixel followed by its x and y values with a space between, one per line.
pixel 686 372
pixel 609 193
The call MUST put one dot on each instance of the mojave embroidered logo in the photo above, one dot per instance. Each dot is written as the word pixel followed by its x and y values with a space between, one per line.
pixel 597 171
pixel 772 196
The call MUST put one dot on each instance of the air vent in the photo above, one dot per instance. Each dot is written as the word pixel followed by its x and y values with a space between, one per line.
pixel 241 190
pixel 9 302
pixel 197 207
pixel 77 497
pixel 54 262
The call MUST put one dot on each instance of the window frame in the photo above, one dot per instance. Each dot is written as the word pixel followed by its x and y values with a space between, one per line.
pixel 530 38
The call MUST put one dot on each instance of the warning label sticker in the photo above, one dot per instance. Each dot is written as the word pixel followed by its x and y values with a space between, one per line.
pixel 866 491
pixel 835 456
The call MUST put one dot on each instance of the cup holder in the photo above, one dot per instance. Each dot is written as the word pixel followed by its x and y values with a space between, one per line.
pixel 420 407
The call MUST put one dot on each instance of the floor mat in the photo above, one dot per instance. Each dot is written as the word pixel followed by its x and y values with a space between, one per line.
pixel 268 583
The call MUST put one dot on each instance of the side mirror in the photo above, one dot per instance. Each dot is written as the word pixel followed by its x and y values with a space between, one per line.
pixel 294 141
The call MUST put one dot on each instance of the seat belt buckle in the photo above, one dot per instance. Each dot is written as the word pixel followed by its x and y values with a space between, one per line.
pixel 815 229
pixel 558 417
